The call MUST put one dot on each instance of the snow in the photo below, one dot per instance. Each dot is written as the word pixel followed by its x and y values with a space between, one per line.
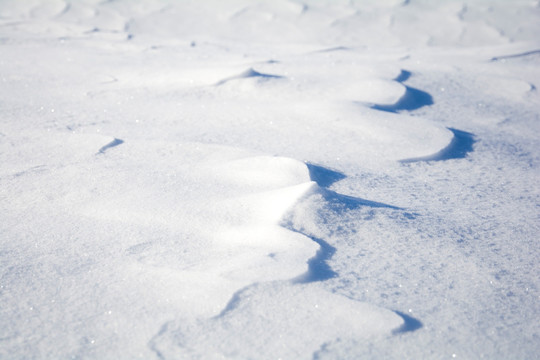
pixel 269 179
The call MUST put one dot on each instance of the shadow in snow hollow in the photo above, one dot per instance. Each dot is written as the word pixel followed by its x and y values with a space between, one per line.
pixel 318 269
pixel 413 98
pixel 112 144
pixel 461 144
pixel 324 177
pixel 409 324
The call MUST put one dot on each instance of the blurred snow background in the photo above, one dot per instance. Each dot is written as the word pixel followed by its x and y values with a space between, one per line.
pixel 269 179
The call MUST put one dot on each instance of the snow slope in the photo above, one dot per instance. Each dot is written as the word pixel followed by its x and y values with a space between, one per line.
pixel 269 179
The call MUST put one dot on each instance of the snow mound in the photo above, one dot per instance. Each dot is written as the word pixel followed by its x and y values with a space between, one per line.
pixel 265 316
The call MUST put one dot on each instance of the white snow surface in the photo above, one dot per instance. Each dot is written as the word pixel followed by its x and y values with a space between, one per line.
pixel 275 179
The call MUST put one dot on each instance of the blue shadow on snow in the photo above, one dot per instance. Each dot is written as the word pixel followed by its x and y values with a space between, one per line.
pixel 325 177
pixel 412 100
pixel 340 201
pixel 409 324
pixel 461 144
pixel 112 144
pixel 513 56
pixel 322 176
pixel 404 75
pixel 318 269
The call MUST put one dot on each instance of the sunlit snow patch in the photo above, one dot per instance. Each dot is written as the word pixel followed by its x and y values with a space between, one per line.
pixel 173 228
pixel 267 316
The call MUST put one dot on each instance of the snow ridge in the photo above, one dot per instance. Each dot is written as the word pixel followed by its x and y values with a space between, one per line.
pixel 184 338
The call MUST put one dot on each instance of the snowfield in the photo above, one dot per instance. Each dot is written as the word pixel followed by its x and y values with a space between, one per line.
pixel 277 179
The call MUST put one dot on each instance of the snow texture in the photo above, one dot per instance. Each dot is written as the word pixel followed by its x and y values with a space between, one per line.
pixel 269 179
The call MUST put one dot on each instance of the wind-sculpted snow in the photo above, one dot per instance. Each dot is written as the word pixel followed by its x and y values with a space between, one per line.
pixel 312 317
pixel 189 233
pixel 250 73
pixel 269 179
pixel 459 147
pixel 412 99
